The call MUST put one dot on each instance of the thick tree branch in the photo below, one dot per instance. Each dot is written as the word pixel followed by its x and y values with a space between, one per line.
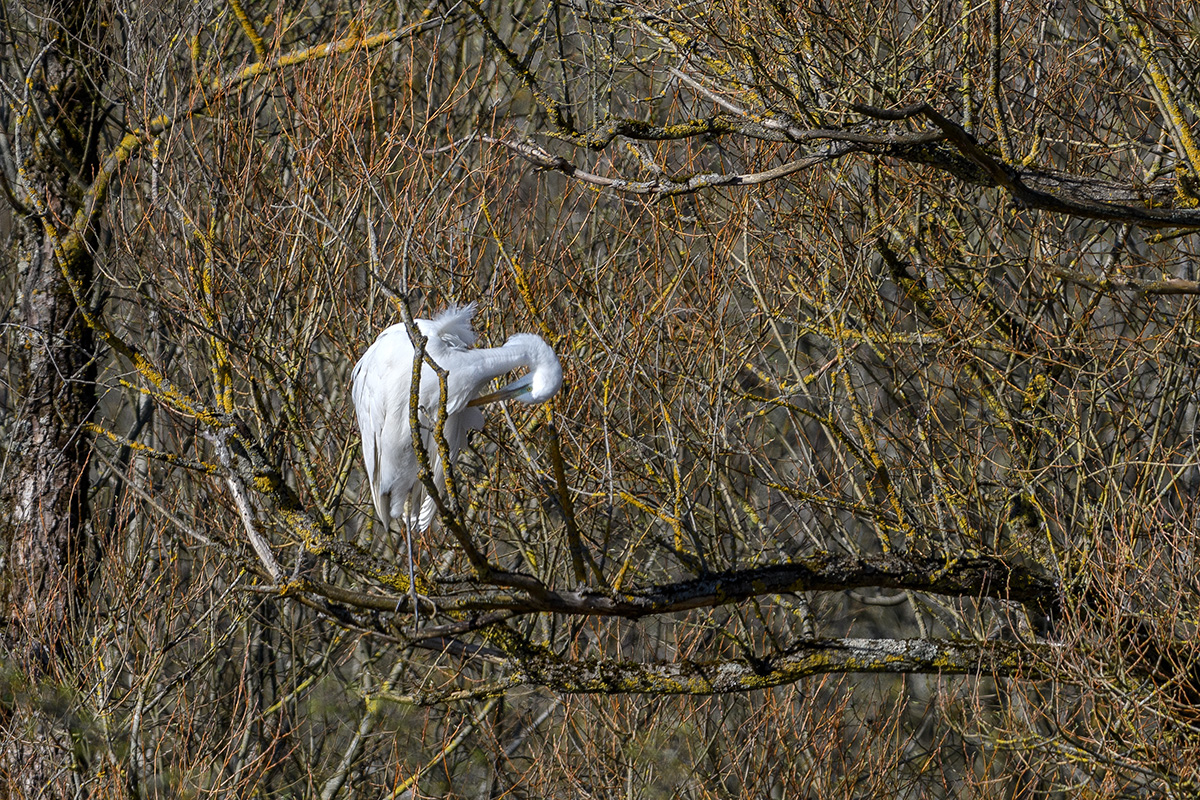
pixel 950 149
pixel 1149 206
pixel 979 576
pixel 813 657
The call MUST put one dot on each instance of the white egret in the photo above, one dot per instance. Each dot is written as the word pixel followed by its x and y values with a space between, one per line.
pixel 382 381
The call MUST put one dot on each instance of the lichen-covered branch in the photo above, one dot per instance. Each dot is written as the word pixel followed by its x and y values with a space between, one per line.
pixel 952 150
pixel 978 576
pixel 805 659
pixel 664 185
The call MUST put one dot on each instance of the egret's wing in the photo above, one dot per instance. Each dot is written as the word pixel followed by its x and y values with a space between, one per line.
pixel 379 386
pixel 363 390
pixel 457 428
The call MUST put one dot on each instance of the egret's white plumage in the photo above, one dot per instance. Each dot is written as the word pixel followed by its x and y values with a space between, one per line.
pixel 382 382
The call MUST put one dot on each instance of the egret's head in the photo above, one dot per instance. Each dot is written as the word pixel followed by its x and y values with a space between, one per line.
pixel 545 375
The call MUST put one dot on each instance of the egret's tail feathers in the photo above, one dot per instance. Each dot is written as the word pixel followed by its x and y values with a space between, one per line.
pixel 383 500
pixel 410 513
pixel 423 508
pixel 428 511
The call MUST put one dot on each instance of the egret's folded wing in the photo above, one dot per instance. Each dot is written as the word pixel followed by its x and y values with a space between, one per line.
pixel 457 428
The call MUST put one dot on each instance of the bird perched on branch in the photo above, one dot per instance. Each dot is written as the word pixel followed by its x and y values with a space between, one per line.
pixel 382 383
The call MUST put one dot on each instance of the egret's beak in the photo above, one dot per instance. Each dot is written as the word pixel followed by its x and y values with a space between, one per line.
pixel 521 386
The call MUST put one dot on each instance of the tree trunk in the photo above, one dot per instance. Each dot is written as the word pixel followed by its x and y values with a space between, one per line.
pixel 50 527
pixel 48 533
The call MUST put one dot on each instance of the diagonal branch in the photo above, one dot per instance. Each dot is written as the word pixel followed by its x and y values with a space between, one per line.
pixel 1150 206
pixel 97 193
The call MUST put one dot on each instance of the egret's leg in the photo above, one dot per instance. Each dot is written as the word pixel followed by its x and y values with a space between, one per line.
pixel 412 573
pixel 412 579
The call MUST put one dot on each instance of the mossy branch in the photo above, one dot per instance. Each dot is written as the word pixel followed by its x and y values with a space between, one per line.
pixel 802 660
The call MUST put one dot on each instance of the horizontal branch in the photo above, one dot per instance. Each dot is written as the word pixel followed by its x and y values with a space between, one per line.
pixel 767 129
pixel 949 148
pixel 812 657
pixel 1120 282
pixel 976 576
pixel 665 185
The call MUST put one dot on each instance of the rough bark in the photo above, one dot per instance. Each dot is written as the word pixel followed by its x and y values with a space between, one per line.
pixel 49 522
pixel 805 659
pixel 50 531
pixel 48 535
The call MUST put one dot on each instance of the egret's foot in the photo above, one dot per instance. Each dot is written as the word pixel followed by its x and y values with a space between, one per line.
pixel 417 600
